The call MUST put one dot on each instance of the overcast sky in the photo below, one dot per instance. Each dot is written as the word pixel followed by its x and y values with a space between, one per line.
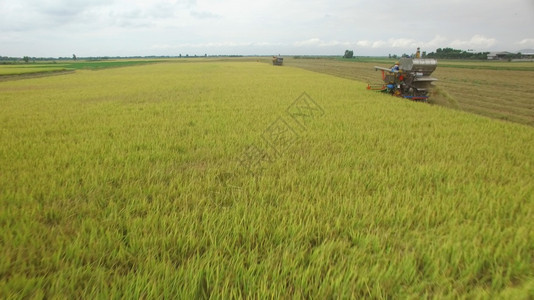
pixel 54 28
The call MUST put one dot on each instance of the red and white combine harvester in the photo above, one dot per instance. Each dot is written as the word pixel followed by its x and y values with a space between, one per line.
pixel 408 78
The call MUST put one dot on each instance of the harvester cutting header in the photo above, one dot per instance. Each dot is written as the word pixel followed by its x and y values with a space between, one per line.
pixel 408 78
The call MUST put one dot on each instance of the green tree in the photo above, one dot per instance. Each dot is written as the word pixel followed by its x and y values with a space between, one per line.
pixel 26 59
pixel 348 54
pixel 450 53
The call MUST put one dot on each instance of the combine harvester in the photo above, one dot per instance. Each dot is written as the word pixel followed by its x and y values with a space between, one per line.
pixel 408 78
pixel 278 60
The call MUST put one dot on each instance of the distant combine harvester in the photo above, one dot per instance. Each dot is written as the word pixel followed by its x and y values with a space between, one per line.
pixel 408 78
pixel 278 61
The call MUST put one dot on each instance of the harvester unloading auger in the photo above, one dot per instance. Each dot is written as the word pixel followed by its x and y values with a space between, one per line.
pixel 408 78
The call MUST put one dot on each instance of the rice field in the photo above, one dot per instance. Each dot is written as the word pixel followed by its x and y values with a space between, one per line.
pixel 21 71
pixel 237 179
pixel 496 89
pixel 31 69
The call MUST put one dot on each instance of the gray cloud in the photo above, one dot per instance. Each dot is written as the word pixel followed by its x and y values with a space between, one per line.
pixel 204 15
pixel 164 27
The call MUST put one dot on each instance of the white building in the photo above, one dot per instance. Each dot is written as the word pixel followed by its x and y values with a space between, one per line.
pixel 498 55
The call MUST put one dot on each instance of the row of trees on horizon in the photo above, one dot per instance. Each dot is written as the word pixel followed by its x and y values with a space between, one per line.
pixel 440 53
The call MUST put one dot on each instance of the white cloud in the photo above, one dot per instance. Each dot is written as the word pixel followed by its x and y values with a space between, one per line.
pixel 437 42
pixel 364 44
pixel 308 42
pixel 408 45
pixel 526 43
pixel 316 42
pixel 476 42
pixel 379 44
pixel 210 45
pixel 403 43
pixel 335 43
pixel 204 14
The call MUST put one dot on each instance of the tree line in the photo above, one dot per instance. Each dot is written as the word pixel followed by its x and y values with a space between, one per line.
pixel 443 53
pixel 450 53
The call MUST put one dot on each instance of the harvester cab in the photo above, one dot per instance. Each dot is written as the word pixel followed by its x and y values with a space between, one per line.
pixel 408 78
